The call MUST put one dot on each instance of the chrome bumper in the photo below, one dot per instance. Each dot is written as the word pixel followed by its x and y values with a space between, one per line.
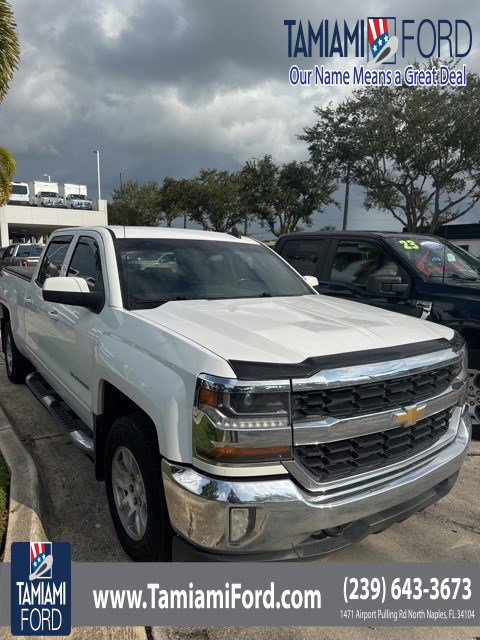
pixel 287 516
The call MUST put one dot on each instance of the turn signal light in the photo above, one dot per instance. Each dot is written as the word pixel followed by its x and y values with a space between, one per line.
pixel 234 455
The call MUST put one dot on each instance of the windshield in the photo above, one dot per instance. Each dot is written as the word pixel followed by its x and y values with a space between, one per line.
pixel 436 259
pixel 33 250
pixel 78 196
pixel 48 194
pixel 156 271
pixel 19 189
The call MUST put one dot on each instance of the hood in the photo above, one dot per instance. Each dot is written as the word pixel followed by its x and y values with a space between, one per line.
pixel 289 330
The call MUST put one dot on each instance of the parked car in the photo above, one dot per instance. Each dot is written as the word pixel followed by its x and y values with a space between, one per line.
pixel 78 201
pixel 19 194
pixel 24 255
pixel 421 276
pixel 233 412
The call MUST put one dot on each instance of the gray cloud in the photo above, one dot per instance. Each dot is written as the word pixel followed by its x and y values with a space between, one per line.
pixel 163 87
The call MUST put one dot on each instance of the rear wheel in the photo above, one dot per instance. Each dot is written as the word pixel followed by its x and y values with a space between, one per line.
pixel 17 366
pixel 136 498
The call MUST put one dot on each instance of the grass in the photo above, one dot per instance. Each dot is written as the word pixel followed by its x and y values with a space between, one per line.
pixel 4 487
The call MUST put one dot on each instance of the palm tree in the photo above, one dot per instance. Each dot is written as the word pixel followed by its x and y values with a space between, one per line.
pixel 9 48
pixel 9 57
pixel 7 170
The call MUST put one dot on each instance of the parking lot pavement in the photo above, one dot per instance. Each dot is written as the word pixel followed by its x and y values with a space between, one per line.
pixel 75 503
pixel 76 510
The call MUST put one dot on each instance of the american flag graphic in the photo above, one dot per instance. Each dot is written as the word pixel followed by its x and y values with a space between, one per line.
pixel 377 34
pixel 40 553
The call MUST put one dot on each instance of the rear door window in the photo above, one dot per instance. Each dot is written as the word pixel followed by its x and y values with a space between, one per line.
pixel 303 255
pixel 53 259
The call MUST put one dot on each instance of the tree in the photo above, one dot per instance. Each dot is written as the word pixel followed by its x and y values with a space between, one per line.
pixel 175 199
pixel 416 149
pixel 9 57
pixel 329 147
pixel 136 205
pixel 9 48
pixel 7 171
pixel 282 197
pixel 214 200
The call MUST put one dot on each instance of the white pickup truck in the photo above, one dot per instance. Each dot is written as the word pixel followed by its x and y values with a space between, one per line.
pixel 233 412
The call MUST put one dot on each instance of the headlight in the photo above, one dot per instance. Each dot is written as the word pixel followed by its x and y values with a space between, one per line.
pixel 236 422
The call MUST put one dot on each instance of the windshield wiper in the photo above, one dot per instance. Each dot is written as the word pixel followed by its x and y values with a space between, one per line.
pixel 142 301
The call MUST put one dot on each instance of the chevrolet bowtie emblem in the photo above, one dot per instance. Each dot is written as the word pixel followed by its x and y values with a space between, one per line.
pixel 410 417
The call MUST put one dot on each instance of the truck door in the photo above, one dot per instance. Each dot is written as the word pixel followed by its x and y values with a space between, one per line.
pixel 41 316
pixel 350 271
pixel 79 328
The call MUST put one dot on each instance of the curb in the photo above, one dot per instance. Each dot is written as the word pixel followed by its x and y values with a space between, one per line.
pixel 24 511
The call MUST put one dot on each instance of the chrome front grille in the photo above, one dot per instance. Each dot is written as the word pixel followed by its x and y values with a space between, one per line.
pixel 363 399
pixel 345 458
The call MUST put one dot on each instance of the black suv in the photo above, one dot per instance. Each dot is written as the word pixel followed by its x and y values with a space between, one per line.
pixel 423 276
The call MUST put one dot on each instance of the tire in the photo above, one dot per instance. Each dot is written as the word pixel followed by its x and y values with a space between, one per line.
pixel 473 399
pixel 17 366
pixel 147 535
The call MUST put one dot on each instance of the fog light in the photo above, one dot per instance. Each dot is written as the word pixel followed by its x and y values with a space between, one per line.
pixel 242 521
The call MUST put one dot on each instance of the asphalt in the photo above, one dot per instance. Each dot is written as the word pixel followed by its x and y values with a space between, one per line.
pixel 75 509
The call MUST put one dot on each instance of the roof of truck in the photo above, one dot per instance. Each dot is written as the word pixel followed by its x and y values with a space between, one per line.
pixel 162 232
pixel 360 234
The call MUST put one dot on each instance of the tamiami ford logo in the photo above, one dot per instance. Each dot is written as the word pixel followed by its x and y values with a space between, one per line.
pixel 378 45
pixel 40 586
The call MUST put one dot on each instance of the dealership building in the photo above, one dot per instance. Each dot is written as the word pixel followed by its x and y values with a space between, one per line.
pixel 19 223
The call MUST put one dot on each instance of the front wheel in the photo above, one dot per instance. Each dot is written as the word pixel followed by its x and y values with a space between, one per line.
pixel 473 400
pixel 136 498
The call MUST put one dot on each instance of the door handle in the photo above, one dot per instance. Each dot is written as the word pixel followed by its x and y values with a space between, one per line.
pixel 53 314
pixel 28 300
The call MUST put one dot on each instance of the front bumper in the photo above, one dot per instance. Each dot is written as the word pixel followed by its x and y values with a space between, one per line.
pixel 292 523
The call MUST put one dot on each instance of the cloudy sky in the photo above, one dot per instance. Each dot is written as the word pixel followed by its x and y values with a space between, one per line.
pixel 164 87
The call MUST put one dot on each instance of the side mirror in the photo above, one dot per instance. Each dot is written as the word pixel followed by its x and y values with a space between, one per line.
pixel 72 291
pixel 386 285
pixel 311 280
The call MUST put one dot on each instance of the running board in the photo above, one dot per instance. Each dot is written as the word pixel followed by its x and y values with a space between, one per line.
pixel 80 434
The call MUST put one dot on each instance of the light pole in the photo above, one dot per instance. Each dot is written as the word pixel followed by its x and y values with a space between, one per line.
pixel 45 175
pixel 97 152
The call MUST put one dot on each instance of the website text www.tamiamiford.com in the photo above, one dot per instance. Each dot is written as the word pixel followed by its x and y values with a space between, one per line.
pixel 232 596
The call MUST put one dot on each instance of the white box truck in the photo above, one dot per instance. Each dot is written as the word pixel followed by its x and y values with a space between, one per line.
pixel 45 194
pixel 75 196
pixel 75 189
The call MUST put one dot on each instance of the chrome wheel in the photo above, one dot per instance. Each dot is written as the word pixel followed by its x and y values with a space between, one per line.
pixel 129 493
pixel 473 395
pixel 8 350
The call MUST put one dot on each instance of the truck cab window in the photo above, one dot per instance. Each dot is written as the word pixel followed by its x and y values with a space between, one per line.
pixel 53 259
pixel 355 262
pixel 86 263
